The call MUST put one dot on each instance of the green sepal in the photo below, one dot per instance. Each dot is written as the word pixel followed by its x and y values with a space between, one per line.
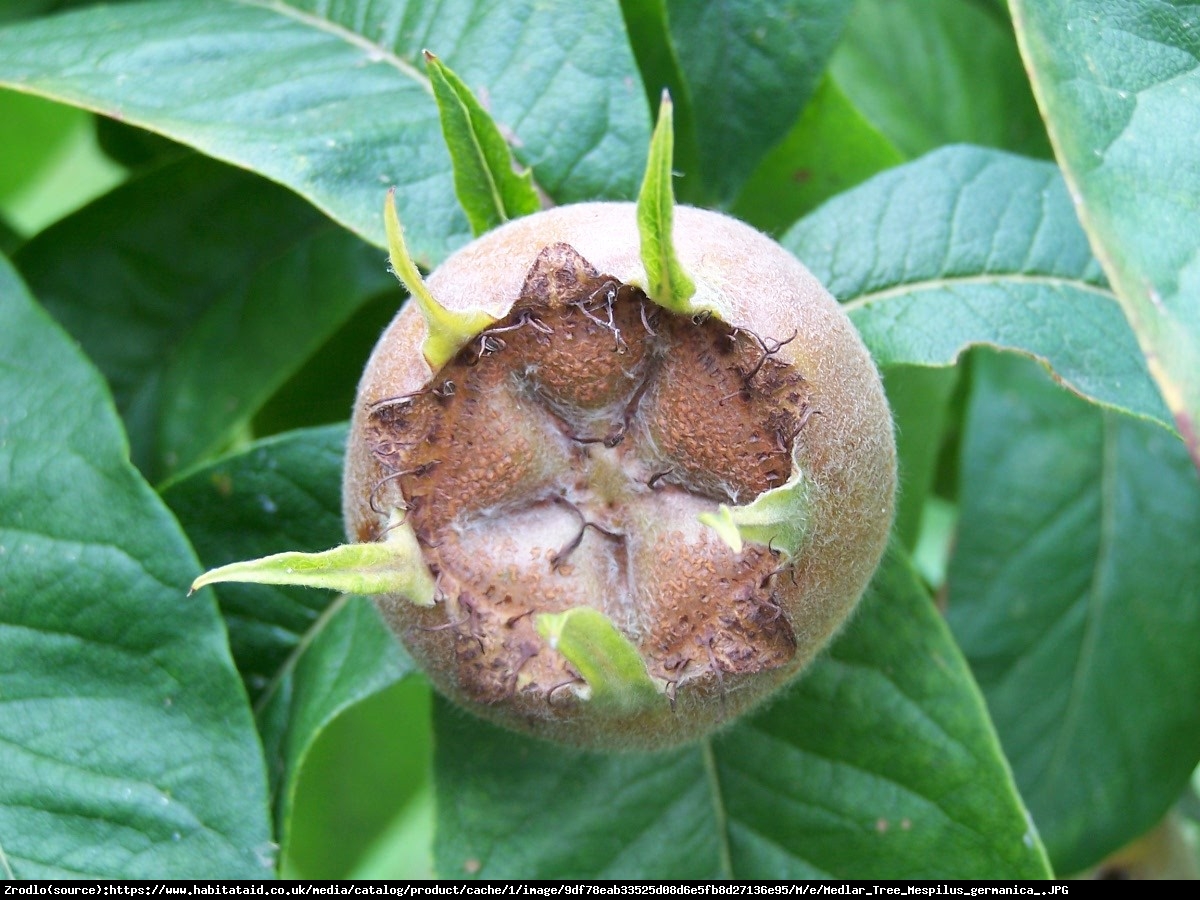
pixel 448 330
pixel 393 566
pixel 608 661
pixel 668 284
pixel 489 188
pixel 777 518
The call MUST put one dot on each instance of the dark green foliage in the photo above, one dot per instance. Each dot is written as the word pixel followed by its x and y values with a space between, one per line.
pixel 152 343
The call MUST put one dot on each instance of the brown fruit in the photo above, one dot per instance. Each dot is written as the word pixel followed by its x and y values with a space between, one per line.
pixel 591 449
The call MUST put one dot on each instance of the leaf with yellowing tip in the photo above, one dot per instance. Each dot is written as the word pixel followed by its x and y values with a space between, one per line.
pixel 394 566
pixel 669 285
pixel 448 330
pixel 608 661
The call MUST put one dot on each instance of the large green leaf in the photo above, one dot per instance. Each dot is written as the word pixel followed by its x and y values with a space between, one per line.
pixel 1118 82
pixel 971 246
pixel 749 67
pixel 330 100
pixel 830 149
pixel 126 742
pixel 880 763
pixel 198 290
pixel 1073 593
pixel 306 655
pixel 933 72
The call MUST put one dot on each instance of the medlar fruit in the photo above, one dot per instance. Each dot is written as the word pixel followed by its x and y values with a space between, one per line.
pixel 615 474
pixel 591 450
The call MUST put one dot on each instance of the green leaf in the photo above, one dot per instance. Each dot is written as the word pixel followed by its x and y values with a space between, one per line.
pixel 750 67
pixel 658 61
pixel 306 655
pixel 1073 594
pixel 197 290
pixel 879 763
pixel 668 284
pixel 608 661
pixel 1118 84
pixel 32 133
pixel 348 656
pixel 323 390
pixel 490 190
pixel 919 398
pixel 900 773
pixel 282 493
pixel 126 742
pixel 364 802
pixel 329 100
pixel 830 149
pixel 970 246
pixel 933 72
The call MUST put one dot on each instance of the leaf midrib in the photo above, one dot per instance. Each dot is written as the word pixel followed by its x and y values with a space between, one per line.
pixel 289 664
pixel 1095 599
pixel 999 279
pixel 376 51
pixel 721 820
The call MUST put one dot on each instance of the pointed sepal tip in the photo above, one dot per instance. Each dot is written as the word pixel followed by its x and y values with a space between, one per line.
pixel 394 566
pixel 777 518
pixel 668 283
pixel 608 661
pixel 447 331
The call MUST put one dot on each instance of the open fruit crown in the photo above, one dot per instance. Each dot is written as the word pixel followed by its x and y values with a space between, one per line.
pixel 616 472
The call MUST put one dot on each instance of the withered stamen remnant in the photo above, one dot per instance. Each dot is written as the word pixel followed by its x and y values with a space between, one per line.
pixel 652 482
pixel 645 323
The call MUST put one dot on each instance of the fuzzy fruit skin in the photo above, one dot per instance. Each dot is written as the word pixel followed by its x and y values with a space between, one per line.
pixel 847 451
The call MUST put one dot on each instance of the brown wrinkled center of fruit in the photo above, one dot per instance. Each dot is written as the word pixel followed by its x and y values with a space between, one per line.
pixel 561 460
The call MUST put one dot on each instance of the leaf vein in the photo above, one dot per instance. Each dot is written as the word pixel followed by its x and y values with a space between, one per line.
pixel 904 289
pixel 1096 600
pixel 374 50
pixel 724 858
pixel 306 639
